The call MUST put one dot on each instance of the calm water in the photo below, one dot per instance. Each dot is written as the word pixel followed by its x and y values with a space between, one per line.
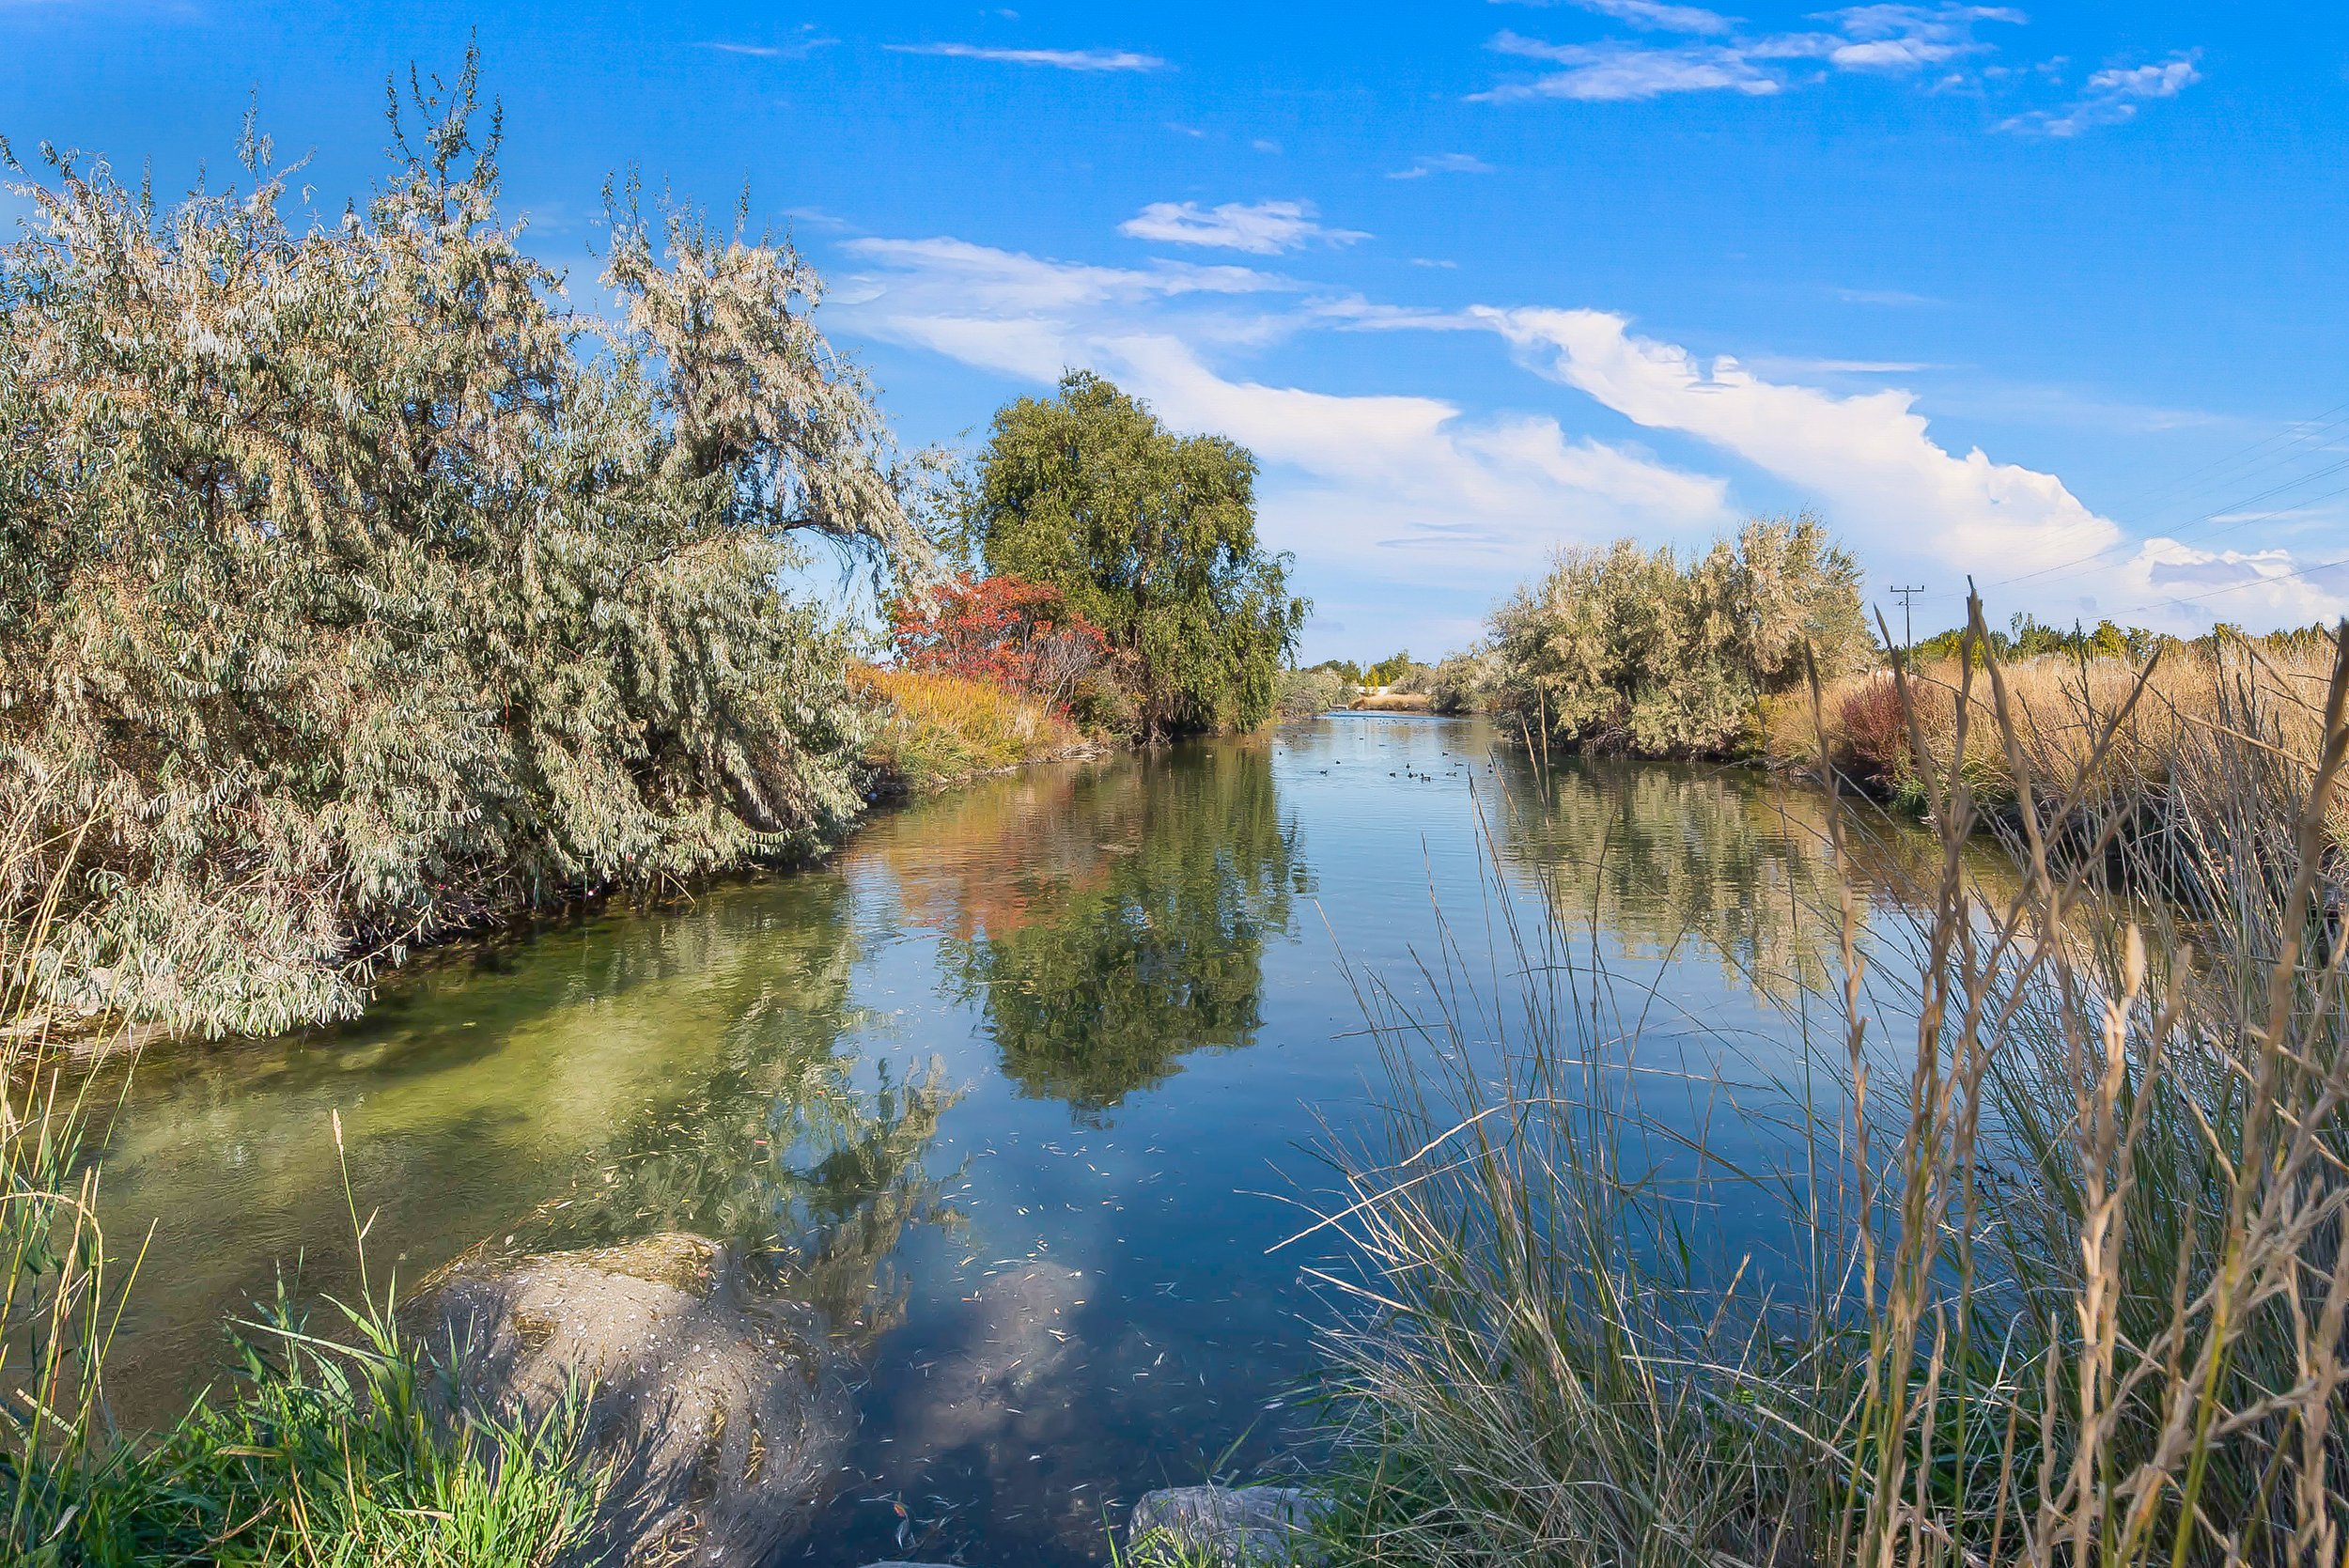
pixel 1020 1087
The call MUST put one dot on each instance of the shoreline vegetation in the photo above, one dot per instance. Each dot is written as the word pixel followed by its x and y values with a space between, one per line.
pixel 2062 1197
pixel 362 593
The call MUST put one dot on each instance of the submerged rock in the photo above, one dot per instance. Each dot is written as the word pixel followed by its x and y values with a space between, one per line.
pixel 722 1409
pixel 1243 1527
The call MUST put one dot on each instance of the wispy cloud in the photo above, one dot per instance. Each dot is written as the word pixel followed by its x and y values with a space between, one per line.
pixel 2111 97
pixel 807 41
pixel 1648 13
pixel 1441 163
pixel 1404 489
pixel 1894 40
pixel 1059 59
pixel 1259 228
pixel 1883 297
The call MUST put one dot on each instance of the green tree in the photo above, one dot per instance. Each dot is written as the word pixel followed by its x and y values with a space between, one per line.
pixel 352 591
pixel 1153 537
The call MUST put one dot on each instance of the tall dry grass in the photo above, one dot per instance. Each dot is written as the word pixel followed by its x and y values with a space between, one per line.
pixel 2062 1201
pixel 935 728
pixel 2171 754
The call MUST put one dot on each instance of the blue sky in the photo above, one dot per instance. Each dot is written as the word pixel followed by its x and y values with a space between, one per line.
pixel 2052 296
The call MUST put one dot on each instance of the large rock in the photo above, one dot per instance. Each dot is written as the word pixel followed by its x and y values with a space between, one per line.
pixel 1243 1527
pixel 722 1407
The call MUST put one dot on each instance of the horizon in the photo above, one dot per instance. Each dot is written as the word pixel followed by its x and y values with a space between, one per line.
pixel 1474 284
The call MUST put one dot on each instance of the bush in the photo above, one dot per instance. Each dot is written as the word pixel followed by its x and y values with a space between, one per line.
pixel 1021 635
pixel 1621 649
pixel 1463 682
pixel 1310 694
pixel 353 592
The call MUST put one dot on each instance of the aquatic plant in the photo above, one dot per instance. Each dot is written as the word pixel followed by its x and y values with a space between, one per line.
pixel 354 590
pixel 2064 1200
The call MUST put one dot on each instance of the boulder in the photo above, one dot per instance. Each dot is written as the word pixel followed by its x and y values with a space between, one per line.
pixel 722 1409
pixel 1241 1527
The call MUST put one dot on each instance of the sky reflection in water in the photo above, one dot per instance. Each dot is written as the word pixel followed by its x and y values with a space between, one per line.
pixel 1021 1088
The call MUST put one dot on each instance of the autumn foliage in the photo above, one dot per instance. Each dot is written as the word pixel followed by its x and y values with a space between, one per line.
pixel 1003 629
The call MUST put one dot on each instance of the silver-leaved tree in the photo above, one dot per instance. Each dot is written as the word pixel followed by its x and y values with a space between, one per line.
pixel 353 589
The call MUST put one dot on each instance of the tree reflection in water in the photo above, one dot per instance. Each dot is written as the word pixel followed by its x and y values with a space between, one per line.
pixel 780 1150
pixel 1147 946
pixel 1656 855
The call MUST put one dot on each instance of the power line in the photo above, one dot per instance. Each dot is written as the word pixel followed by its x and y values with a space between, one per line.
pixel 2238 587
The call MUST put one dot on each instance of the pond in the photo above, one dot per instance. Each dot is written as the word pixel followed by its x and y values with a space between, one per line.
pixel 1026 1085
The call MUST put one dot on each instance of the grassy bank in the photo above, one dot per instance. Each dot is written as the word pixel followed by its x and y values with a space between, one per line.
pixel 332 1442
pixel 934 729
pixel 2061 1200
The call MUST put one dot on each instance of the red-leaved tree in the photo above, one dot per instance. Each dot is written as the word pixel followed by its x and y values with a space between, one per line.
pixel 1018 635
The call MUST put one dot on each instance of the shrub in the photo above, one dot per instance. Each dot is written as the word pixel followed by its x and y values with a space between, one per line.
pixel 1310 694
pixel 1463 682
pixel 936 728
pixel 1018 635
pixel 353 592
pixel 1623 649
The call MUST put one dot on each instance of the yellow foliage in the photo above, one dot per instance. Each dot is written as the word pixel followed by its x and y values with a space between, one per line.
pixel 935 728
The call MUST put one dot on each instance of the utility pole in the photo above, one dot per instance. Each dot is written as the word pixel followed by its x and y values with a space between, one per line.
pixel 1908 596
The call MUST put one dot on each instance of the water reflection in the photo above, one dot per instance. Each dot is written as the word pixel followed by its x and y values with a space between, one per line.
pixel 697 1070
pixel 1105 933
pixel 866 1075
pixel 1667 859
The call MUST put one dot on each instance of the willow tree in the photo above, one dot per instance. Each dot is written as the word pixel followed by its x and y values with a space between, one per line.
pixel 352 590
pixel 1152 537
pixel 1624 648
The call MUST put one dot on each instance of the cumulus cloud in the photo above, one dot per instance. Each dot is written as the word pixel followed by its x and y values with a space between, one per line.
pixel 1403 488
pixel 1895 40
pixel 2111 97
pixel 1441 163
pixel 1059 59
pixel 1868 458
pixel 2187 585
pixel 1259 228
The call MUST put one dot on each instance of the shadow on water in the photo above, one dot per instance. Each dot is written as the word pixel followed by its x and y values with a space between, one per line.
pixel 1003 1089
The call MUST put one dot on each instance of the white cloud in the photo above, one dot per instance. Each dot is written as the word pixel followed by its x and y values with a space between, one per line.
pixel 2111 97
pixel 1898 39
pixel 797 48
pixel 1407 488
pixel 1867 458
pixel 1618 73
pixel 1059 59
pixel 1443 163
pixel 1259 228
pixel 1660 17
pixel 2187 587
